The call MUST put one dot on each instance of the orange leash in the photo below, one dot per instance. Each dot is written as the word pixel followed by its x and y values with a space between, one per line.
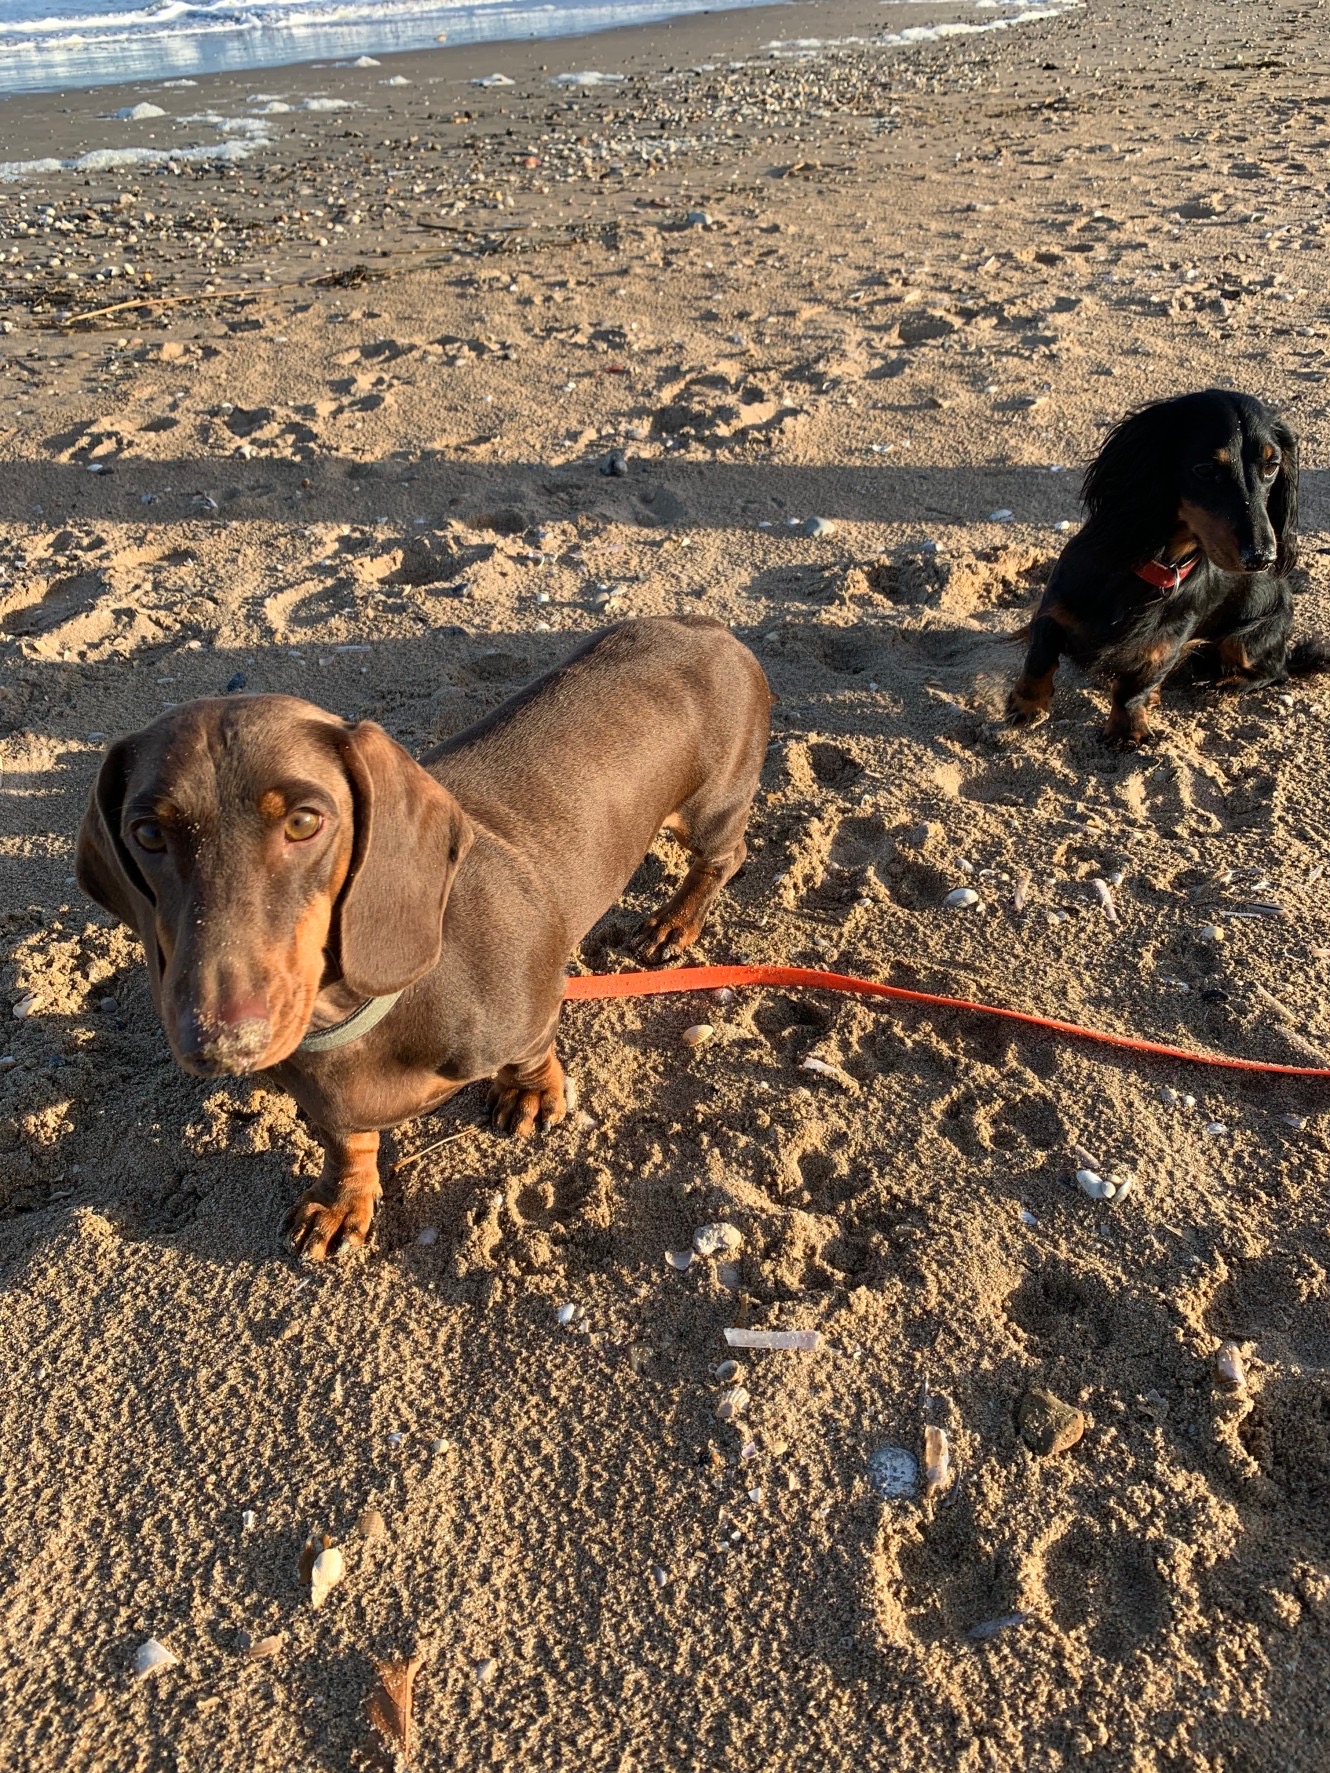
pixel 604 985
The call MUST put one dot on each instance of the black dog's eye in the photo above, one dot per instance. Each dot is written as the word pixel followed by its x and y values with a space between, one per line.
pixel 302 824
pixel 147 834
pixel 1204 470
pixel 1269 469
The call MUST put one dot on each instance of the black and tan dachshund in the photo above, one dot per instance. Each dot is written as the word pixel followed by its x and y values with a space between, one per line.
pixel 1190 533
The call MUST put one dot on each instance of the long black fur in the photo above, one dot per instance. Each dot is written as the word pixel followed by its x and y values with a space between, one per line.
pixel 1212 475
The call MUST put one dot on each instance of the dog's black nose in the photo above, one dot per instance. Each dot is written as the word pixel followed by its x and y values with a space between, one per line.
pixel 1256 560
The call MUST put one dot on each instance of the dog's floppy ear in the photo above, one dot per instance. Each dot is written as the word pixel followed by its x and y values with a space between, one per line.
pixel 1131 488
pixel 1282 506
pixel 410 839
pixel 103 867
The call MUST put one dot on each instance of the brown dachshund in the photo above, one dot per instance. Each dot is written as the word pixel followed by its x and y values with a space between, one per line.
pixel 377 933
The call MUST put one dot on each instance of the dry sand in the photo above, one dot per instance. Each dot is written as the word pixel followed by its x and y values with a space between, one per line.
pixel 931 275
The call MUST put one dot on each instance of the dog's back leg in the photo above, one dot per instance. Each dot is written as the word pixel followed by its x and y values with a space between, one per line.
pixel 1032 694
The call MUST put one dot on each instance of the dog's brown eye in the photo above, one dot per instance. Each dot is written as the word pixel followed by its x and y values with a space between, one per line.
pixel 1270 469
pixel 302 824
pixel 147 835
pixel 1204 470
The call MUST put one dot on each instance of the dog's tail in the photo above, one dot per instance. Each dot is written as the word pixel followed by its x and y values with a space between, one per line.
pixel 1308 657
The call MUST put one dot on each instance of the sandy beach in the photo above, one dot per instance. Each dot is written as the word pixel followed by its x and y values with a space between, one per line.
pixel 330 415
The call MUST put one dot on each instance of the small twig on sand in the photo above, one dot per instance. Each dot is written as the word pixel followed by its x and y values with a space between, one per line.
pixel 404 1163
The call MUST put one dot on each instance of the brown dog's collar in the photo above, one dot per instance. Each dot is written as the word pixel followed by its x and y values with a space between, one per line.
pixel 359 1022
pixel 1167 578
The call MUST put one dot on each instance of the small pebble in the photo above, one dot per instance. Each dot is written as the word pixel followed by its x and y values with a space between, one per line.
pixel 1215 1129
pixel 1001 515
pixel 1094 1185
pixel 819 526
pixel 486 1669
pixel 680 1259
pixel 1229 1366
pixel 249 1520
pixel 1212 933
pixel 893 1471
pixel 658 1576
pixel 698 218
pixel 1297 1121
pixel 565 1315
pixel 938 1471
pixel 962 898
pixel 615 464
pixel 235 683
pixel 428 1234
pixel 1047 1425
pixel 729 1371
pixel 720 1238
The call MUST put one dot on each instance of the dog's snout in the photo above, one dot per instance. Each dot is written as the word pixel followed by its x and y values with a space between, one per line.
pixel 231 1038
pixel 1257 556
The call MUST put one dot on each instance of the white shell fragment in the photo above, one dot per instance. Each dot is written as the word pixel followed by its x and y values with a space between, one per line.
pixel 732 1402
pixel 837 1074
pixel 962 899
pixel 151 1656
pixel 1020 897
pixel 718 1239
pixel 248 1520
pixel 680 1259
pixel 805 1341
pixel 1104 893
pixel 698 1035
pixel 1230 1368
pixel 1211 933
pixel 1089 1182
pixel 565 1314
pixel 938 1472
pixel 893 1472
pixel 329 1569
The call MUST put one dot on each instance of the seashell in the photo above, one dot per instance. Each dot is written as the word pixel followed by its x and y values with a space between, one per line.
pixel 1212 933
pixel 571 1097
pixel 1229 1366
pixel 486 1669
pixel 893 1472
pixel 698 1035
pixel 806 1341
pixel 658 1576
pixel 1027 1217
pixel 962 899
pixel 565 1315
pixel 1215 1129
pixel 1086 1160
pixel 1021 893
pixel 679 1259
pixel 718 1239
pixel 248 1520
pixel 989 1628
pixel 371 1524
pixel 389 1705
pixel 1123 1185
pixel 1169 1096
pixel 1094 1185
pixel 1189 1101
pixel 823 1068
pixel 731 1403
pixel 938 1473
pixel 262 1648
pixel 25 1007
pixel 1297 1121
pixel 329 1569
pixel 724 995
pixel 151 1656
pixel 1104 893
pixel 728 1371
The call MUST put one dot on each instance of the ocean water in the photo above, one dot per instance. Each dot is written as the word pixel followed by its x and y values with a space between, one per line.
pixel 46 47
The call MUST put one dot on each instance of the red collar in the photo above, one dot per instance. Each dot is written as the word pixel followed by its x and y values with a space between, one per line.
pixel 1167 578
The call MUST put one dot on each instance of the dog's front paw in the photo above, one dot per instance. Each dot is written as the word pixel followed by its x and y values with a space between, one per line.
pixel 1022 711
pixel 319 1224
pixel 665 934
pixel 521 1099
